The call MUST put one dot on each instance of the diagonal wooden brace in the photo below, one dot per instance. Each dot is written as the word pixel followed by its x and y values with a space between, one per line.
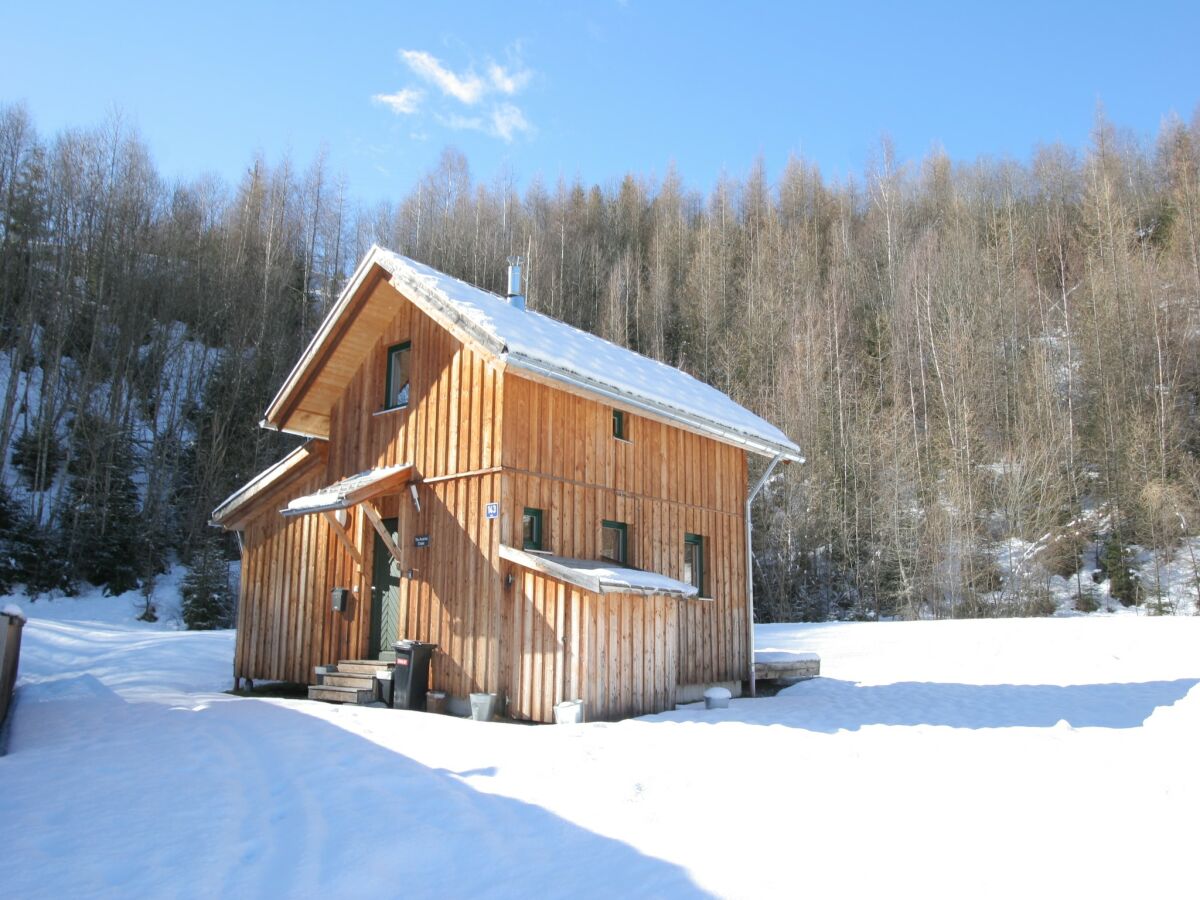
pixel 384 535
pixel 340 533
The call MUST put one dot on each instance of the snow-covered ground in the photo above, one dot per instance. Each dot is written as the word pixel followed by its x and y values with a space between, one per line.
pixel 1032 758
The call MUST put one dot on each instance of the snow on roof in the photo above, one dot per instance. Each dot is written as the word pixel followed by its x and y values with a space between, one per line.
pixel 544 346
pixel 598 576
pixel 348 491
pixel 263 481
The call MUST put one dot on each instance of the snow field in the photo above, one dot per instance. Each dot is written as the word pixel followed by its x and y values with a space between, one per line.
pixel 1036 757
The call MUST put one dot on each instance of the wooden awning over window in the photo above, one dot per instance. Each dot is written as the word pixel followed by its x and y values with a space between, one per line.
pixel 351 491
pixel 598 576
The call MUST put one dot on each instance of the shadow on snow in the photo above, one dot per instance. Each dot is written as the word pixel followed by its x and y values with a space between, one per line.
pixel 829 705
pixel 255 798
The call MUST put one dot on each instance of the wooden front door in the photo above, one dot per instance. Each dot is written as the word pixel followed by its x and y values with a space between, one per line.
pixel 385 597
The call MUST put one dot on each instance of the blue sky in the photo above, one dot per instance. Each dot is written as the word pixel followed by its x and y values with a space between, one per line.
pixel 595 89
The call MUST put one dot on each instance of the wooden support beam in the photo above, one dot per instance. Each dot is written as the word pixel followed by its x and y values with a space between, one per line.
pixel 376 521
pixel 340 533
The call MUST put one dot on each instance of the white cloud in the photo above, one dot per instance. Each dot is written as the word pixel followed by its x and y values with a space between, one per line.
pixel 403 103
pixel 508 121
pixel 468 87
pixel 508 82
pixel 462 123
pixel 503 120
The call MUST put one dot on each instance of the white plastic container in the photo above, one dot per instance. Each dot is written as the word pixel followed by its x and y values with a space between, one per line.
pixel 569 712
pixel 483 707
pixel 717 698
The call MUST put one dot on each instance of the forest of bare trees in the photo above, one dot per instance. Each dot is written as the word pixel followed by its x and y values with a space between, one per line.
pixel 966 353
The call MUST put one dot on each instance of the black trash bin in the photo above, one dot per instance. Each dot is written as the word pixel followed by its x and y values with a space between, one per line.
pixel 410 678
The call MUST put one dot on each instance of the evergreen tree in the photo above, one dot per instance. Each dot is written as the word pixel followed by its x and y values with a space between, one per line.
pixel 109 546
pixel 1117 563
pixel 208 602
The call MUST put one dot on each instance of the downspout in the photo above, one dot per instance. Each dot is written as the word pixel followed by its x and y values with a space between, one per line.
pixel 758 485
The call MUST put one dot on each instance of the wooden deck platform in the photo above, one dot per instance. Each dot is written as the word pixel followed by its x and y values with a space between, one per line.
pixel 772 665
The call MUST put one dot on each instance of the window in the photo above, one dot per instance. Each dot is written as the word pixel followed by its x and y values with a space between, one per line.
pixel 614 541
pixel 532 523
pixel 693 561
pixel 620 425
pixel 397 376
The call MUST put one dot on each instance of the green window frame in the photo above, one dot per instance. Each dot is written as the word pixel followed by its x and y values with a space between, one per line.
pixel 531 525
pixel 398 379
pixel 693 561
pixel 618 532
pixel 620 425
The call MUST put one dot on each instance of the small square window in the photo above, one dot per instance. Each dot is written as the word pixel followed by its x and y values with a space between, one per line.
pixel 532 524
pixel 397 376
pixel 693 561
pixel 620 426
pixel 614 542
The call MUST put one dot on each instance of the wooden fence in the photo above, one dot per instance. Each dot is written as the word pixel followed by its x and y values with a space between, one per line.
pixel 10 654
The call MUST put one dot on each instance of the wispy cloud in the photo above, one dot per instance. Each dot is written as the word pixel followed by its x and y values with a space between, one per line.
pixel 404 102
pixel 467 88
pixel 508 122
pixel 497 117
pixel 508 82
pixel 505 121
pixel 462 123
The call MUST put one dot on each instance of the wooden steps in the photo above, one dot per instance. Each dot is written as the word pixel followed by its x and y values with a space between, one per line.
pixel 350 681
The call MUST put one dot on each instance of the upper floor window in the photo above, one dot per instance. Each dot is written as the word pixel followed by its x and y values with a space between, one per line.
pixel 693 561
pixel 614 541
pixel 620 425
pixel 532 524
pixel 397 375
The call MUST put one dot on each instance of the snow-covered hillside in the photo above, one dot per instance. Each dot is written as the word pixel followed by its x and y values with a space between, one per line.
pixel 1020 757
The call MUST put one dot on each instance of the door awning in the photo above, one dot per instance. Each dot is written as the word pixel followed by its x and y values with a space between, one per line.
pixel 598 576
pixel 351 490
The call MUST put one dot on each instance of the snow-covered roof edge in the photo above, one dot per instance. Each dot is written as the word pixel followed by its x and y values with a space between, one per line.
pixel 598 577
pixel 348 491
pixel 260 482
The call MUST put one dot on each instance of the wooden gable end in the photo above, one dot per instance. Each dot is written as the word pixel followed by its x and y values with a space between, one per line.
pixel 451 423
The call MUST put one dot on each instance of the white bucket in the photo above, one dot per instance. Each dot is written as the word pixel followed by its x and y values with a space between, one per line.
pixel 569 712
pixel 483 707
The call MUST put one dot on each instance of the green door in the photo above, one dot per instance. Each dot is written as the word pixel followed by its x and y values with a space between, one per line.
pixel 385 598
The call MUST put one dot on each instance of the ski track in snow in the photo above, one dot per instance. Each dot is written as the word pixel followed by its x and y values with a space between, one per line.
pixel 1026 757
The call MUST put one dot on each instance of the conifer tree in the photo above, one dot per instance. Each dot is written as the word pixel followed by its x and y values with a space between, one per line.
pixel 207 599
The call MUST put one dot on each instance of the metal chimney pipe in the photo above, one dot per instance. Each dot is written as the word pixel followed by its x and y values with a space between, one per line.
pixel 515 298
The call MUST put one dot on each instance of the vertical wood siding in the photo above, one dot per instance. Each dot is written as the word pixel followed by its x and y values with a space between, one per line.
pixel 615 651
pixel 560 457
pixel 449 428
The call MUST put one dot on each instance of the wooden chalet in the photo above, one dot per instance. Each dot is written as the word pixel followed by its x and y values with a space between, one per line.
pixel 563 517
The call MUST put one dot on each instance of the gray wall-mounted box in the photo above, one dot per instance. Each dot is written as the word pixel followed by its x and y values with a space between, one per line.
pixel 338 597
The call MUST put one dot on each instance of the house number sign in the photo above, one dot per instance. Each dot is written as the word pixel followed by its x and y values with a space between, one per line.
pixel 493 510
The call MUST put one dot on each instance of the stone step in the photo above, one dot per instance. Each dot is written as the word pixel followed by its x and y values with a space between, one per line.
pixel 362 666
pixel 331 694
pixel 347 679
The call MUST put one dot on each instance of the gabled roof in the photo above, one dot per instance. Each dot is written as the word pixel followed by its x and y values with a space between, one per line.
pixel 524 341
pixel 598 576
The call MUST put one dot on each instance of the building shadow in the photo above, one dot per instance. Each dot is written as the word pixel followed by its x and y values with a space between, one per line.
pixel 238 797
pixel 829 705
